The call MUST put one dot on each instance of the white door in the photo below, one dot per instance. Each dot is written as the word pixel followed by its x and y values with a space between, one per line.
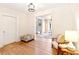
pixel 9 29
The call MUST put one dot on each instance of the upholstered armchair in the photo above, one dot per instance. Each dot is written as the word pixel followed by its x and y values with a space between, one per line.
pixel 55 43
pixel 58 39
pixel 60 42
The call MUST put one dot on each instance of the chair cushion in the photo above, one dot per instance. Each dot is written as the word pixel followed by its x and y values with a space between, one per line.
pixel 61 39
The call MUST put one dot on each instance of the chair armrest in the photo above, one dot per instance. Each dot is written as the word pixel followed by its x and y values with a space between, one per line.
pixel 55 44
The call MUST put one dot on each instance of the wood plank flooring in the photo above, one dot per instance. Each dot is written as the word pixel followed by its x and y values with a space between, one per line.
pixel 36 47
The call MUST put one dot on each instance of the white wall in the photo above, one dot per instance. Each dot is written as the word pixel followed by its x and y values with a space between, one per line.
pixel 22 24
pixel 22 21
pixel 26 21
pixel 31 23
pixel 62 19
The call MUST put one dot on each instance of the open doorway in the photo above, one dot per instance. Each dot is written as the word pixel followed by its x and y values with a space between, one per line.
pixel 44 26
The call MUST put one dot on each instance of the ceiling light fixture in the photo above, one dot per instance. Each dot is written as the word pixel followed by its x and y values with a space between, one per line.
pixel 31 7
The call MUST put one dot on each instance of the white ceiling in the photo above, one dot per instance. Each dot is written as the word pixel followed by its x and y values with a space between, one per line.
pixel 23 6
pixel 39 7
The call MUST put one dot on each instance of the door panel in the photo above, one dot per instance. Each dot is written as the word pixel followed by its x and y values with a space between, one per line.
pixel 9 29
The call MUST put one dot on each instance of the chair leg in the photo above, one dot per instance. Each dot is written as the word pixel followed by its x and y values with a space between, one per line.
pixel 59 52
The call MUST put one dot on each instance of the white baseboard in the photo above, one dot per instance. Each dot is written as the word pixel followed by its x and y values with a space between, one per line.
pixel 17 40
pixel 2 45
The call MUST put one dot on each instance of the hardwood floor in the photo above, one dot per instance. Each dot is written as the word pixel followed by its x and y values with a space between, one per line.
pixel 36 47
